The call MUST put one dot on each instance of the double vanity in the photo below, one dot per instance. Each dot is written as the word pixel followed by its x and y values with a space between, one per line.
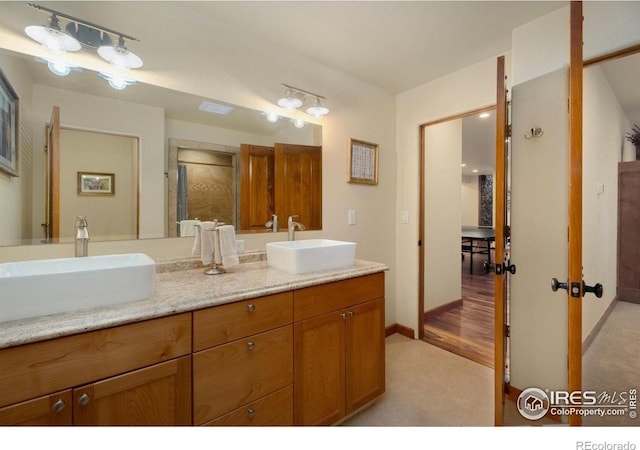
pixel 258 345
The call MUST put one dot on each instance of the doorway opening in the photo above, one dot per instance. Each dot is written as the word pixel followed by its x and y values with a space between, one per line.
pixel 457 294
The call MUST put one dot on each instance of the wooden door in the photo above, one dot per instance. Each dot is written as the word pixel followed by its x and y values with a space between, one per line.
pixel 52 213
pixel 365 353
pixel 54 409
pixel 628 231
pixel 298 185
pixel 257 175
pixel 155 395
pixel 319 370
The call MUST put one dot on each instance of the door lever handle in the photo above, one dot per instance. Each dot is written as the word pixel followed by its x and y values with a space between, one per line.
pixel 555 284
pixel 595 289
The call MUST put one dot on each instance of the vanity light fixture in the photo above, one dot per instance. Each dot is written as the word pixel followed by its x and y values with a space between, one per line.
pixel 294 98
pixel 52 37
pixel 81 33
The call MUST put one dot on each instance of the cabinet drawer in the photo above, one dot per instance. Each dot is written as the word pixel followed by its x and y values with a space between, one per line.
pixel 231 375
pixel 225 323
pixel 33 370
pixel 54 409
pixel 273 410
pixel 321 299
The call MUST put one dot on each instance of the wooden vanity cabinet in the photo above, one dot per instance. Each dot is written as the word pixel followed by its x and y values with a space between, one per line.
pixel 135 374
pixel 338 349
pixel 243 371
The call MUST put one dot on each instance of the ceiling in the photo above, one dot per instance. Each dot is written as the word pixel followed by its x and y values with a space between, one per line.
pixel 396 45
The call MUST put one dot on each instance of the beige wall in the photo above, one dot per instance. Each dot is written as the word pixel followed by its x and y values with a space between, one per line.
pixel 471 88
pixel 15 192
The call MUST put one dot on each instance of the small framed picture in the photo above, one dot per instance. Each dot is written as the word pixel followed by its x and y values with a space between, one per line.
pixel 8 128
pixel 363 162
pixel 92 183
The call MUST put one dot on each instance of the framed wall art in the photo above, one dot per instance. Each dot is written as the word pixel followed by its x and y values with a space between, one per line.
pixel 8 128
pixel 92 183
pixel 363 162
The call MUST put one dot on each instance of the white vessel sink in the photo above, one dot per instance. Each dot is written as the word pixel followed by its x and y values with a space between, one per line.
pixel 310 255
pixel 38 288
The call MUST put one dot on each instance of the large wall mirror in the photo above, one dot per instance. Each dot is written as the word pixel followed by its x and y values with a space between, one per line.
pixel 167 129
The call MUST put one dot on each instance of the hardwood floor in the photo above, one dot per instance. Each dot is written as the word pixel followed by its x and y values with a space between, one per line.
pixel 467 330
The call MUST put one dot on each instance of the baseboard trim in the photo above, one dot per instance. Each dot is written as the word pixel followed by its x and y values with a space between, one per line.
pixel 442 308
pixel 629 295
pixel 400 329
pixel 586 343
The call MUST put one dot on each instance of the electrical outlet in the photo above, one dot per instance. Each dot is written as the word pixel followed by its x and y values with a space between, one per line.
pixel 352 217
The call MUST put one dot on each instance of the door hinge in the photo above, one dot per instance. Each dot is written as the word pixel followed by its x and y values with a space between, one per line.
pixel 509 130
pixel 507 330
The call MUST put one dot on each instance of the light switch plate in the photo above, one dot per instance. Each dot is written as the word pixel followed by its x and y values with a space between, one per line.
pixel 405 217
pixel 352 217
pixel 239 245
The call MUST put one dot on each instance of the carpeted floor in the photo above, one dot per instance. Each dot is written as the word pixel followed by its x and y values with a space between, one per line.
pixel 428 386
pixel 612 362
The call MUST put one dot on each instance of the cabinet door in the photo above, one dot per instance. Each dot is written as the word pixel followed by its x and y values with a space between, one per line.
pixel 229 376
pixel 319 373
pixel 54 409
pixel 155 395
pixel 365 364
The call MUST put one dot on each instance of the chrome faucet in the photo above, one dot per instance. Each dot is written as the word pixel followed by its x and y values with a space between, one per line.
pixel 292 227
pixel 273 224
pixel 82 236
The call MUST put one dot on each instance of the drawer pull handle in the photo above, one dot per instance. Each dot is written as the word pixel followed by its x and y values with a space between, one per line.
pixel 58 406
pixel 351 314
pixel 251 413
pixel 83 400
pixel 251 307
pixel 251 345
pixel 343 315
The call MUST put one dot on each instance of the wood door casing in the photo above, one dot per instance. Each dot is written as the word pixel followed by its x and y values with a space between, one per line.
pixel 53 177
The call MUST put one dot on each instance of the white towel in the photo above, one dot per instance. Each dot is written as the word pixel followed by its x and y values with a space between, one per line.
pixel 188 227
pixel 227 246
pixel 203 245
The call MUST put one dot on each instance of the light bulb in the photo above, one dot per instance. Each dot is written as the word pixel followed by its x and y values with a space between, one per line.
pixel 59 68
pixel 272 117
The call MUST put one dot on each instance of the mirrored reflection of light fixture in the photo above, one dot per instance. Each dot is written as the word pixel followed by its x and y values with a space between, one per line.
pixel 271 117
pixel 117 81
pixel 294 98
pixel 59 68
pixel 299 123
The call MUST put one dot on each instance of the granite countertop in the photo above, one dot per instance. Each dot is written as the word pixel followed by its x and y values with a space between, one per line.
pixel 179 287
